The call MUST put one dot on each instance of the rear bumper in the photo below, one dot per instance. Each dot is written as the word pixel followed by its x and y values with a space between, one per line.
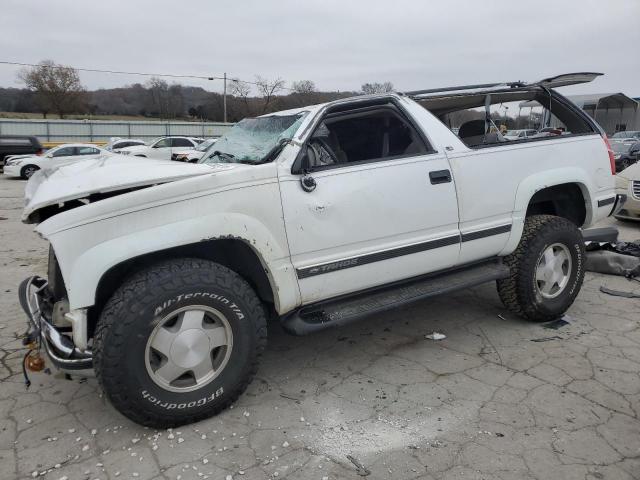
pixel 58 346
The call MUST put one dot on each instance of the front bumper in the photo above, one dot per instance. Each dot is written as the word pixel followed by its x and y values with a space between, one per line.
pixel 619 201
pixel 58 346
pixel 630 209
pixel 12 170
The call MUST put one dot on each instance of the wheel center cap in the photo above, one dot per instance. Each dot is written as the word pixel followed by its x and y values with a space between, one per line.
pixel 190 348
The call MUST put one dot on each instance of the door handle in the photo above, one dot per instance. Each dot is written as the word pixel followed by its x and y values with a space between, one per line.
pixel 440 176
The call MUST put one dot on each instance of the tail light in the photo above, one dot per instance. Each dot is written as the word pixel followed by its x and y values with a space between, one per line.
pixel 612 159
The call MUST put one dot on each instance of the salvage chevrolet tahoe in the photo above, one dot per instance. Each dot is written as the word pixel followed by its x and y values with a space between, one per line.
pixel 162 278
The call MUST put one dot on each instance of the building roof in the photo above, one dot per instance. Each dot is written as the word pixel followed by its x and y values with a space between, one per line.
pixel 603 100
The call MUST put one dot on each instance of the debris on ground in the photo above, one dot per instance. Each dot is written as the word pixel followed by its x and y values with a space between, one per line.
pixel 559 323
pixel 436 336
pixel 618 293
pixel 360 468
pixel 546 339
pixel 614 258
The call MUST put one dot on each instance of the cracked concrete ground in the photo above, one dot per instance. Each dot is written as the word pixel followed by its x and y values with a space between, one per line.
pixel 499 398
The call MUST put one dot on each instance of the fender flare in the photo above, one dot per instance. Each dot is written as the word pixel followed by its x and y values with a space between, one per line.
pixel 539 181
pixel 83 277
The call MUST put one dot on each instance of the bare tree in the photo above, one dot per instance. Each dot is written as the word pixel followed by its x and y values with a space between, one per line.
pixel 57 87
pixel 370 88
pixel 268 89
pixel 303 87
pixel 159 96
pixel 241 90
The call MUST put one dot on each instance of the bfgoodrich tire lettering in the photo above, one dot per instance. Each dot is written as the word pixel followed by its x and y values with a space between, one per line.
pixel 132 314
pixel 520 292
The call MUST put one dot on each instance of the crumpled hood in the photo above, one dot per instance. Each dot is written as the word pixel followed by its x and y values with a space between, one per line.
pixel 105 174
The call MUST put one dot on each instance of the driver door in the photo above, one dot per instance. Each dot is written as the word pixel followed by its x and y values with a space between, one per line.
pixel 378 205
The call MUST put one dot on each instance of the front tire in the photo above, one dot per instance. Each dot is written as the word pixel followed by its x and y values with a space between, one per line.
pixel 547 269
pixel 179 342
pixel 28 170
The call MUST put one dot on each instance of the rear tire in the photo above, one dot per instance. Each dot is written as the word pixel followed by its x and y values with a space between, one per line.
pixel 547 269
pixel 152 307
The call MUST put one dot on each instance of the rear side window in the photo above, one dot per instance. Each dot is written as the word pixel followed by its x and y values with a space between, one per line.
pixel 363 136
pixel 181 142
pixel 482 120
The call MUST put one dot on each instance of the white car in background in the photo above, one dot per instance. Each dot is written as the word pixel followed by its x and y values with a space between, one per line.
pixel 117 143
pixel 520 134
pixel 25 166
pixel 163 148
pixel 192 156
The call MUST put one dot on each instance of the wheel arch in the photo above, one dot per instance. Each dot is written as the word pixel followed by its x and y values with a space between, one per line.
pixel 234 253
pixel 565 200
pixel 568 181
pixel 24 167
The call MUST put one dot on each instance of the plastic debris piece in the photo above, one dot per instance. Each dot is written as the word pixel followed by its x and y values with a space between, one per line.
pixel 546 339
pixel 436 336
pixel 618 293
pixel 559 323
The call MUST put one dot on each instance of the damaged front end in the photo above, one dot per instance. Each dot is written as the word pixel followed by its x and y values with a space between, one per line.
pixel 52 327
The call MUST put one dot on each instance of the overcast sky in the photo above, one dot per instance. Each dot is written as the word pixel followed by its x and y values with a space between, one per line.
pixel 339 44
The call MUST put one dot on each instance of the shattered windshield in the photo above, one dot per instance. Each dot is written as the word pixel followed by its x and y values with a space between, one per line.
pixel 255 140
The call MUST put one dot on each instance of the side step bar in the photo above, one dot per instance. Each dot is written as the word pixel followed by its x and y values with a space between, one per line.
pixel 349 308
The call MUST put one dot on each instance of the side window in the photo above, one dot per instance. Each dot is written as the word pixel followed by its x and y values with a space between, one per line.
pixel 358 137
pixel 181 142
pixel 64 152
pixel 87 151
pixel 163 143
pixel 487 117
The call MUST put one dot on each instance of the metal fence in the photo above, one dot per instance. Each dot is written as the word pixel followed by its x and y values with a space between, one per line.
pixel 103 130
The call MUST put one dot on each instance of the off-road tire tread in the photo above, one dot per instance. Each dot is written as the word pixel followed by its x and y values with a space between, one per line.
pixel 510 290
pixel 164 276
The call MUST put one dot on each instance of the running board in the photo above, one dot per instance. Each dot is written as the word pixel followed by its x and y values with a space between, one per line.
pixel 346 309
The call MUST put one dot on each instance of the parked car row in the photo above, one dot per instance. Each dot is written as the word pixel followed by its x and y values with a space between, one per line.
pixel 22 156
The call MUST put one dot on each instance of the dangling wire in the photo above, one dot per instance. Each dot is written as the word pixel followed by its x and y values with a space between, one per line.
pixel 27 382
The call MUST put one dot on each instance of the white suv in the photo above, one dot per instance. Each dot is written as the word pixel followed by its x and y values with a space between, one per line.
pixel 314 217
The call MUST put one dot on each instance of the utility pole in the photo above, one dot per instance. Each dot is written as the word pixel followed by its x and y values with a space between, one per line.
pixel 224 98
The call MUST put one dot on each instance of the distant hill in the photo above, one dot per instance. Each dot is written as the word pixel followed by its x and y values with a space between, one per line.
pixel 170 102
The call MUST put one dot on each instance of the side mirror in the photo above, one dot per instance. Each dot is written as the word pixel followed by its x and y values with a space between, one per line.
pixel 302 162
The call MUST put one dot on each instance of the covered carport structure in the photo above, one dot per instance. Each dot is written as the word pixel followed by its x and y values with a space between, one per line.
pixel 615 112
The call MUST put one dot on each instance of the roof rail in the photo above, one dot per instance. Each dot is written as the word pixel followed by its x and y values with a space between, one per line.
pixel 414 93
pixel 551 82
